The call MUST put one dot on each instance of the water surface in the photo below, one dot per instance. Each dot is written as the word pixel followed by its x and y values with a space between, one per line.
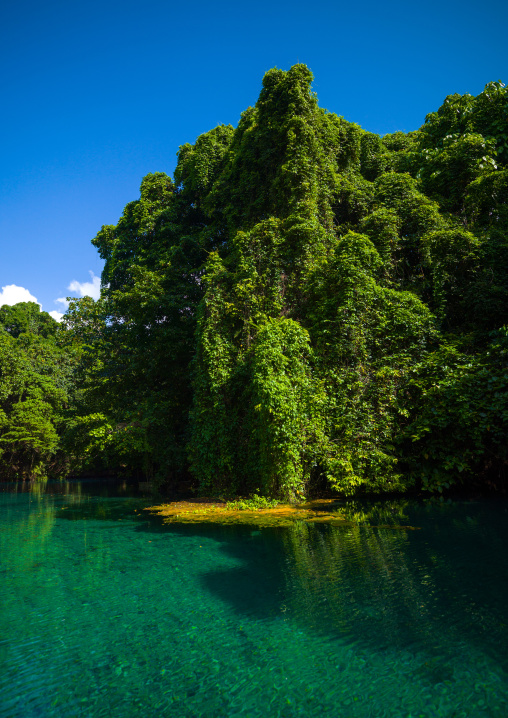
pixel 106 611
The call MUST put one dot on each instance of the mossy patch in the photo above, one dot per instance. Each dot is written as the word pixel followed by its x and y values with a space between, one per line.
pixel 205 510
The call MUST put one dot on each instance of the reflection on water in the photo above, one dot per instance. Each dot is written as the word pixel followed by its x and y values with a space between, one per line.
pixel 391 589
pixel 106 611
pixel 23 545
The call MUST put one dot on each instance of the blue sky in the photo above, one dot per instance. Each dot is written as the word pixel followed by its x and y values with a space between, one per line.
pixel 98 94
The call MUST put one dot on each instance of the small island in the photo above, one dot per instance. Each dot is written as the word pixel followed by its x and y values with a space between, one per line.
pixel 205 510
pixel 213 511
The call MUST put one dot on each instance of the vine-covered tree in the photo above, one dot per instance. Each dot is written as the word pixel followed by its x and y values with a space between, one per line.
pixel 308 305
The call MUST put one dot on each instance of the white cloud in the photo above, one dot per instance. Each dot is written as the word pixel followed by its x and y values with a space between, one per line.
pixel 86 289
pixel 63 301
pixel 56 315
pixel 82 289
pixel 12 294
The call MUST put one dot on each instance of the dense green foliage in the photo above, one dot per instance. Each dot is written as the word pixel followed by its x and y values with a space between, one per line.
pixel 306 306
pixel 35 385
pixel 27 318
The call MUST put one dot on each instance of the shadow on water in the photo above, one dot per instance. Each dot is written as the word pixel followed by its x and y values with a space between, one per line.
pixel 442 590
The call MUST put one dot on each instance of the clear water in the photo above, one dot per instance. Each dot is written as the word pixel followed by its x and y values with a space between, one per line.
pixel 108 612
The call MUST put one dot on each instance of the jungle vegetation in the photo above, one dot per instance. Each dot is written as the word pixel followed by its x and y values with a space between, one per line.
pixel 305 306
pixel 36 382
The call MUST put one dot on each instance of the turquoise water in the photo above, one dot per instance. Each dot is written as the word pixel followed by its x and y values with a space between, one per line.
pixel 108 612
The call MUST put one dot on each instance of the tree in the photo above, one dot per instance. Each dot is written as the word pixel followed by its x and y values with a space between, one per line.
pixel 35 381
pixel 26 317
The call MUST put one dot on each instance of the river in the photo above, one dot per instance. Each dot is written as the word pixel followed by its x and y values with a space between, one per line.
pixel 107 611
